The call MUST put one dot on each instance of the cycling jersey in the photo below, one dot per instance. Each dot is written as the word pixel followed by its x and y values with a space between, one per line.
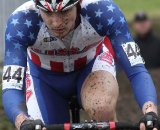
pixel 28 40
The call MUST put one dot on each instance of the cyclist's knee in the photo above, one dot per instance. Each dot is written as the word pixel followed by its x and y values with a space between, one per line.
pixel 99 95
pixel 101 111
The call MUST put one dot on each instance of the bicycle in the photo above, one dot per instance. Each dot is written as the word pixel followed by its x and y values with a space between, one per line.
pixel 75 109
pixel 92 125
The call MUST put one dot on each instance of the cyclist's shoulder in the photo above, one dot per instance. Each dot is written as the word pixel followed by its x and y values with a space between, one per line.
pixel 104 16
pixel 24 23
pixel 94 3
pixel 21 32
pixel 101 10
pixel 25 14
pixel 25 8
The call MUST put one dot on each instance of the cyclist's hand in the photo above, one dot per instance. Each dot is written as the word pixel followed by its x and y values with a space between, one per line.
pixel 149 121
pixel 31 124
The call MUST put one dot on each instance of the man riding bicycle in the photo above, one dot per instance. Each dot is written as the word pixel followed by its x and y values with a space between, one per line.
pixel 58 48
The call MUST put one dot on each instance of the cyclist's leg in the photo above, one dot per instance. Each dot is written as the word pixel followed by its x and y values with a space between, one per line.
pixel 45 95
pixel 99 90
pixel 44 103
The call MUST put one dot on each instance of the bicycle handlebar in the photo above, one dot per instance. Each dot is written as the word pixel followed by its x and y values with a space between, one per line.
pixel 94 126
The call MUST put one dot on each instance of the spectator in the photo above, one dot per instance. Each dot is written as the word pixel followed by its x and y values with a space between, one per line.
pixel 148 42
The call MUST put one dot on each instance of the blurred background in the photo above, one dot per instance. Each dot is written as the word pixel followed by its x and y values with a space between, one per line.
pixel 144 21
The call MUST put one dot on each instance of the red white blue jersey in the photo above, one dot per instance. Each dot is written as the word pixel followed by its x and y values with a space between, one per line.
pixel 27 35
pixel 46 50
pixel 102 23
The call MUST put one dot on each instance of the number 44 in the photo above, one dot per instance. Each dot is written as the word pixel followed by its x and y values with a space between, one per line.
pixel 17 75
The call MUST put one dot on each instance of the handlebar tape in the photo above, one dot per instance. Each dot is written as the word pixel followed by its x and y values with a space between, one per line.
pixel 55 127
pixel 126 125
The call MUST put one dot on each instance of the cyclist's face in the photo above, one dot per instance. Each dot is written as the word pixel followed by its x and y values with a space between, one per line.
pixel 60 23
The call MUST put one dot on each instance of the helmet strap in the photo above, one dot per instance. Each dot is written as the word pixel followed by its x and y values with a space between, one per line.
pixel 78 19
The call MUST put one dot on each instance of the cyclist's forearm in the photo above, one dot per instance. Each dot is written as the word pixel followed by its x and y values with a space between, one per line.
pixel 13 102
pixel 143 88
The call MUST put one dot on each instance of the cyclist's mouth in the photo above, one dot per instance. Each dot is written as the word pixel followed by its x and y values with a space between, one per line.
pixel 58 30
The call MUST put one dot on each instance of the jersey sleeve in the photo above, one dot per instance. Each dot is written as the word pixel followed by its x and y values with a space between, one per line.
pixel 21 31
pixel 108 20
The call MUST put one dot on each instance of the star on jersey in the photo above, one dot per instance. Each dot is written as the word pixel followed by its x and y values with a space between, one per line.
pixel 122 20
pixel 98 13
pixel 20 34
pixel 16 60
pixel 17 46
pixel 87 18
pixel 111 21
pixel 117 32
pixel 28 23
pixel 40 23
pixel 100 26
pixel 14 22
pixel 8 37
pixel 31 36
pixel 128 35
pixel 111 8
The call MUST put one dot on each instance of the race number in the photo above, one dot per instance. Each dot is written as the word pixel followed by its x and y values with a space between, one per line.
pixel 133 53
pixel 13 77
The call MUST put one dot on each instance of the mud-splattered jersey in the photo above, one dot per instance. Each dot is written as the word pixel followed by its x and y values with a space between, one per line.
pixel 27 31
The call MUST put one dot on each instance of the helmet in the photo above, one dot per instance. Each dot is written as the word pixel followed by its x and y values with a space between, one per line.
pixel 55 5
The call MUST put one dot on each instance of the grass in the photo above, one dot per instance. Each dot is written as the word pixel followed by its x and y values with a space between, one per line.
pixel 130 7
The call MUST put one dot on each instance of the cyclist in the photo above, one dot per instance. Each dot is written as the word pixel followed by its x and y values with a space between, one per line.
pixel 57 48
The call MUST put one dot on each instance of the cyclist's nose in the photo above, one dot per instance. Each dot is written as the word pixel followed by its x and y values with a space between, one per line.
pixel 57 20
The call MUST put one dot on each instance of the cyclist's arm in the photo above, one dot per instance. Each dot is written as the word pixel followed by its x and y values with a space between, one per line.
pixel 19 35
pixel 108 20
pixel 14 71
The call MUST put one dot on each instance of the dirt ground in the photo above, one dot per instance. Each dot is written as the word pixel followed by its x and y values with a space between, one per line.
pixel 127 108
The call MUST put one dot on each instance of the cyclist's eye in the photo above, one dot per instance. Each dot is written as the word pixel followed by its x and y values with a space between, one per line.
pixel 63 12
pixel 66 11
pixel 48 13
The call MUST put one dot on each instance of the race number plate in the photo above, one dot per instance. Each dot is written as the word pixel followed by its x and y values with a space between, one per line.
pixel 13 77
pixel 133 53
